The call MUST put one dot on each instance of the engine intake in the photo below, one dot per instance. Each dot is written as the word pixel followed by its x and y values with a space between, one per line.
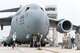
pixel 64 26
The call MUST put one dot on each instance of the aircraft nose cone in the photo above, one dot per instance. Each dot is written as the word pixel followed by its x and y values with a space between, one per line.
pixel 35 20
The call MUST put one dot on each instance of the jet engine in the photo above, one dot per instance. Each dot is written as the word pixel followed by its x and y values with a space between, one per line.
pixel 64 26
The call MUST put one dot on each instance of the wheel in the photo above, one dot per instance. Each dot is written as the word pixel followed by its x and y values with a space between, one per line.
pixel 35 45
pixel 5 44
pixel 9 45
pixel 43 44
pixel 31 43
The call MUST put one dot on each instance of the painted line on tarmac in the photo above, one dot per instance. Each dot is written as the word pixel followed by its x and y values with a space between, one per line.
pixel 51 51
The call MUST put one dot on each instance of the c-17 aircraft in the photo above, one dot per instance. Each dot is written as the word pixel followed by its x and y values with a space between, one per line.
pixel 32 19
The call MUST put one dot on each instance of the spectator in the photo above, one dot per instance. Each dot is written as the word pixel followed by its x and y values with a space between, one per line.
pixel 69 41
pixel 64 39
pixel 72 42
pixel 13 39
pixel 35 41
pixel 39 40
pixel 77 40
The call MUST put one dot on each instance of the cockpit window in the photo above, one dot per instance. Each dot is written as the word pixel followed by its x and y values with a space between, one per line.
pixel 42 9
pixel 27 8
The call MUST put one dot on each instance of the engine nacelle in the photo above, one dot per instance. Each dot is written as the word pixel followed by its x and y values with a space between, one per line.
pixel 64 26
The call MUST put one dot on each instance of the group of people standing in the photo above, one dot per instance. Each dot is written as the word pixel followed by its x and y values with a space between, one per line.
pixel 36 40
pixel 67 41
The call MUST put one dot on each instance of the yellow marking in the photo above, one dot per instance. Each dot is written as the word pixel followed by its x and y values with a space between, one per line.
pixel 51 51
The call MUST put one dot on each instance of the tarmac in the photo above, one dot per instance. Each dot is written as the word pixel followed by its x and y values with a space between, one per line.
pixel 35 50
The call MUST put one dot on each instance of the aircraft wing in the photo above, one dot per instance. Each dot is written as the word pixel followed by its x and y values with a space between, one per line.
pixel 51 19
pixel 11 10
pixel 6 21
pixel 76 28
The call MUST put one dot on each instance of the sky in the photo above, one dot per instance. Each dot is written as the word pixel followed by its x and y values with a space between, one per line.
pixel 66 9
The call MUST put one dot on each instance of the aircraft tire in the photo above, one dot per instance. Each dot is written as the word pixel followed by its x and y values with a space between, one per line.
pixel 31 43
pixel 5 44
pixel 9 45
pixel 35 45
pixel 43 45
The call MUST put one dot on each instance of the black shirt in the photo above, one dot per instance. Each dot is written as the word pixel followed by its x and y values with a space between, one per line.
pixel 72 40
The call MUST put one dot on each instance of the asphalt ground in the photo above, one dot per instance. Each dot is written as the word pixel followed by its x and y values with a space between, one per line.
pixel 35 50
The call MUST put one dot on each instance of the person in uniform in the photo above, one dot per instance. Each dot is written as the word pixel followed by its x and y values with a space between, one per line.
pixel 77 40
pixel 64 41
pixel 69 41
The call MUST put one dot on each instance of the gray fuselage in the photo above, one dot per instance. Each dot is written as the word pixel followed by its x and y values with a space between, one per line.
pixel 30 19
